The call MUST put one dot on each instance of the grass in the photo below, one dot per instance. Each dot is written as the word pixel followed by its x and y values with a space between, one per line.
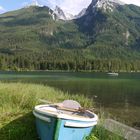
pixel 17 101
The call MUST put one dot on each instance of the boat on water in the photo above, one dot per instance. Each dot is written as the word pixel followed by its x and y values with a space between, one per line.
pixel 113 74
pixel 64 121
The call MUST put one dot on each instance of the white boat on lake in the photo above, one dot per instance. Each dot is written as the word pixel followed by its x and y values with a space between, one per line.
pixel 113 74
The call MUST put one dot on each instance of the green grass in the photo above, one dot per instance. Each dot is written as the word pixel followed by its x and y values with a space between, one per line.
pixel 17 101
pixel 16 104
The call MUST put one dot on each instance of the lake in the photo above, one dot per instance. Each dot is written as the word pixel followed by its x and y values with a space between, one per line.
pixel 116 96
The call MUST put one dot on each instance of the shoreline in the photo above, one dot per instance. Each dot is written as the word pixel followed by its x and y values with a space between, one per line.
pixel 80 71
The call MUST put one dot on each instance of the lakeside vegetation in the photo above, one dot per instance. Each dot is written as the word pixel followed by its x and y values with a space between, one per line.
pixel 65 61
pixel 17 101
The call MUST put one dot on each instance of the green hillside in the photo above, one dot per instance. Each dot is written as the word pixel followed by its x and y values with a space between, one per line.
pixel 113 34
pixel 105 41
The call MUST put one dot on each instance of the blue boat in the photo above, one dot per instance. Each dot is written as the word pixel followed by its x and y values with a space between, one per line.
pixel 55 122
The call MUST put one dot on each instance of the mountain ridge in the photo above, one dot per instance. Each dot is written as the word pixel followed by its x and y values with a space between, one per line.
pixel 92 41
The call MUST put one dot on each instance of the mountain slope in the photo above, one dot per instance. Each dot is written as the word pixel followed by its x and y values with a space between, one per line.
pixel 36 25
pixel 98 38
pixel 116 30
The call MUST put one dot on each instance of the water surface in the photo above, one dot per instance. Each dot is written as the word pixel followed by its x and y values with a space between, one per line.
pixel 120 96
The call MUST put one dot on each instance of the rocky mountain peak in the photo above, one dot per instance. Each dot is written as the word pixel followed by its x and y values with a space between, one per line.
pixel 106 5
pixel 59 13
pixel 62 14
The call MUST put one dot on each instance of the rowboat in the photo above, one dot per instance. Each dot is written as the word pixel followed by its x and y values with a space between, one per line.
pixel 64 121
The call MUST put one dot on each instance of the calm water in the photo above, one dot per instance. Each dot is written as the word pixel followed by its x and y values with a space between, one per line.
pixel 120 96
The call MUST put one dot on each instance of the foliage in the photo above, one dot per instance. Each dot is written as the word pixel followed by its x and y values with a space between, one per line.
pixel 63 60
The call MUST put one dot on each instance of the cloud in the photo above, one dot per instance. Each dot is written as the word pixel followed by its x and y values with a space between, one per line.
pixel 2 10
pixel 137 2
pixel 74 6
pixel 30 2
pixel 71 6
pixel 24 4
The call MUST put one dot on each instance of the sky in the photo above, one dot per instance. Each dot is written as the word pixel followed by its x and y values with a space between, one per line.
pixel 71 6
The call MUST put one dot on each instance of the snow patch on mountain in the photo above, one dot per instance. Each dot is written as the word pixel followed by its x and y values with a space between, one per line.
pixel 69 16
pixel 63 15
pixel 59 13
pixel 106 5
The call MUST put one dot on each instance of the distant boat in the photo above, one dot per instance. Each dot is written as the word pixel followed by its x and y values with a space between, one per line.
pixel 113 74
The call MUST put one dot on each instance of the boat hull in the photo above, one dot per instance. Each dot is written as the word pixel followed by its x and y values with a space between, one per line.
pixel 52 128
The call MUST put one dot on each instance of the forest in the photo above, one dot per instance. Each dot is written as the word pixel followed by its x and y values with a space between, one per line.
pixel 45 62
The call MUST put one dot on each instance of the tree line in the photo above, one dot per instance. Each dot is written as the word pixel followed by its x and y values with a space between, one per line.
pixel 44 62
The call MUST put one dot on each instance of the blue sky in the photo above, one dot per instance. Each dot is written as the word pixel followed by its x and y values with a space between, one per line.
pixel 12 4
pixel 71 6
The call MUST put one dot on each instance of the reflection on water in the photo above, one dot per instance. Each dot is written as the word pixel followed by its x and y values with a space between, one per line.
pixel 118 95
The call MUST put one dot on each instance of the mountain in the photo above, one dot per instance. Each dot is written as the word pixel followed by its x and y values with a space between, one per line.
pixel 111 25
pixel 69 16
pixel 106 36
pixel 105 5
pixel 62 14
pixel 82 13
